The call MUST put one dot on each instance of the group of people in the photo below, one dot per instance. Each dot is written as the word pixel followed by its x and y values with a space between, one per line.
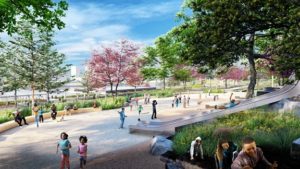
pixel 140 109
pixel 177 100
pixel 64 145
pixel 38 112
pixel 227 156
pixel 146 98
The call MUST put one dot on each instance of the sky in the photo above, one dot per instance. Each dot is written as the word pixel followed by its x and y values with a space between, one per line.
pixel 91 23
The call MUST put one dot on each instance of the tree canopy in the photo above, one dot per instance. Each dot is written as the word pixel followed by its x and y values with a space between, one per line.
pixel 46 13
pixel 222 32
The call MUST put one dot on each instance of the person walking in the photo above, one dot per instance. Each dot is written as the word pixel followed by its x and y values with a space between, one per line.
pixel 35 110
pixel 179 98
pixel 53 111
pixel 64 145
pixel 122 117
pixel 140 109
pixel 184 101
pixel 154 103
pixel 41 117
pixel 82 151
pixel 188 101
pixel 176 101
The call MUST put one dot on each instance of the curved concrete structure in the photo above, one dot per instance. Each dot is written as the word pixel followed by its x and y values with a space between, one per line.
pixel 168 127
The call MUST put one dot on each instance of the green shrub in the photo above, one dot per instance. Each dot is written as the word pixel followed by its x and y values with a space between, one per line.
pixel 206 90
pixel 196 86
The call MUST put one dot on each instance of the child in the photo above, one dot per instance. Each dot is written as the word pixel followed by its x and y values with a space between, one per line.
pixel 140 109
pixel 64 146
pixel 41 117
pixel 82 150
pixel 122 117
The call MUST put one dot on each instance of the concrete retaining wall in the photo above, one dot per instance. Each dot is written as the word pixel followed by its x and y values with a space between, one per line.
pixel 30 119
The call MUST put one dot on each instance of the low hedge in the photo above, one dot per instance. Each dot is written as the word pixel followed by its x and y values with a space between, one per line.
pixel 106 104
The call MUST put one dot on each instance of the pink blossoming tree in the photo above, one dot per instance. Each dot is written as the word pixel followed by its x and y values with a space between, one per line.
pixel 114 64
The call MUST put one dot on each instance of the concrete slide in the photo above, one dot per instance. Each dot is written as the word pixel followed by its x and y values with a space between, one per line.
pixel 168 127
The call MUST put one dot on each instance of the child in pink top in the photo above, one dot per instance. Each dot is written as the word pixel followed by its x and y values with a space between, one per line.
pixel 82 150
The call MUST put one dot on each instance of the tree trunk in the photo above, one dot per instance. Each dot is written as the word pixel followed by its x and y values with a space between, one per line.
pixel 48 96
pixel 184 85
pixel 16 99
pixel 111 90
pixel 164 81
pixel 226 85
pixel 117 89
pixel 32 98
pixel 250 57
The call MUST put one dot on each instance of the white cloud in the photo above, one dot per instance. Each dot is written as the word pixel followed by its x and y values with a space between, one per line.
pixel 90 24
pixel 109 32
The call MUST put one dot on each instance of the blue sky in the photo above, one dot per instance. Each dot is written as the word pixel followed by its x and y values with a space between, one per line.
pixel 93 22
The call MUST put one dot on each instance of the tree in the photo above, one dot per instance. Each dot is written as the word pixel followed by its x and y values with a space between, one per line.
pixel 234 73
pixel 52 69
pixel 86 82
pixel 222 32
pixel 44 13
pixel 34 61
pixel 10 79
pixel 115 64
pixel 135 80
pixel 182 73
pixel 161 58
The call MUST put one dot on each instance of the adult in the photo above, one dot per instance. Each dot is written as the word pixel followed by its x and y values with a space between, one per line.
pixel 224 154
pixel 251 157
pixel 196 150
pixel 188 101
pixel 35 110
pixel 145 98
pixel 176 101
pixel 53 111
pixel 122 117
pixel 154 103
pixel 184 101
pixel 19 117
pixel 148 99
pixel 179 98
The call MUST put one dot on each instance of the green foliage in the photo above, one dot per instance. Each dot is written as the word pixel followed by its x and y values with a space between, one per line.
pixel 44 13
pixel 219 33
pixel 272 130
pixel 110 103
pixel 207 90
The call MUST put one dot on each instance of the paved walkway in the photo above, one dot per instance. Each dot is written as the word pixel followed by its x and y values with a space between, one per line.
pixel 35 148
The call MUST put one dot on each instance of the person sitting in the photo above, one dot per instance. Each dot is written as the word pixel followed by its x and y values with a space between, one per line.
pixel 224 154
pixel 251 157
pixel 19 117
pixel 75 107
pixel 196 151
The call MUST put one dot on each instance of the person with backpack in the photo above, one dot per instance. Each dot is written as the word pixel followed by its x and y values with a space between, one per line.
pixel 224 154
